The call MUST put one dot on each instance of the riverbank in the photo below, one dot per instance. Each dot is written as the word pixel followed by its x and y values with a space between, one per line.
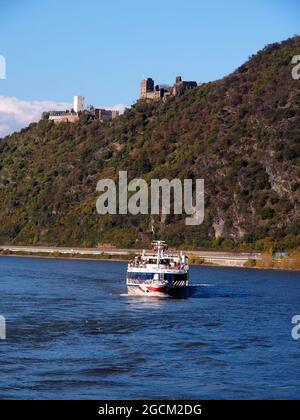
pixel 58 256
pixel 267 261
pixel 212 258
pixel 117 254
pixel 75 257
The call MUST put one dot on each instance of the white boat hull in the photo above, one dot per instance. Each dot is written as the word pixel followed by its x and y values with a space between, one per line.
pixel 157 291
pixel 158 274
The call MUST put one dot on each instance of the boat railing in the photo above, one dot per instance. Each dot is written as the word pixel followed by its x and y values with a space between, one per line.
pixel 171 266
pixel 165 255
pixel 141 281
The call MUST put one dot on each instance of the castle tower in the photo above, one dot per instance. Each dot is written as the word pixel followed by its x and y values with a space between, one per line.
pixel 146 87
pixel 78 104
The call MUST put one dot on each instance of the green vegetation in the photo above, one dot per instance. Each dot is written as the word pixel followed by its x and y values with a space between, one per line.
pixel 196 260
pixel 59 255
pixel 291 262
pixel 241 134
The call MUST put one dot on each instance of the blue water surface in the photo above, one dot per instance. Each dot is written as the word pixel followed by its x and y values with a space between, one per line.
pixel 72 333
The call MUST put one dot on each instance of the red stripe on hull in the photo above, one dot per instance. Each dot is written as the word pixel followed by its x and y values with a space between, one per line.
pixel 156 289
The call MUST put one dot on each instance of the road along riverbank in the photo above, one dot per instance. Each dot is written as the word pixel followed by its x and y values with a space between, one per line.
pixel 226 259
pixel 215 258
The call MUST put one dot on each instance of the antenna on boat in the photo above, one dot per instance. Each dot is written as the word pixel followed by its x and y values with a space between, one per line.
pixel 153 230
pixel 159 246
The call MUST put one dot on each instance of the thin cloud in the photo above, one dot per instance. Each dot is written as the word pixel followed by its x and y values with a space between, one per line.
pixel 120 107
pixel 16 114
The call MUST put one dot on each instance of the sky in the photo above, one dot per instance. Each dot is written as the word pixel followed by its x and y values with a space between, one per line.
pixel 55 49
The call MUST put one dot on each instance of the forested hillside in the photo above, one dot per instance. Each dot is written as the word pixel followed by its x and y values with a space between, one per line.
pixel 241 134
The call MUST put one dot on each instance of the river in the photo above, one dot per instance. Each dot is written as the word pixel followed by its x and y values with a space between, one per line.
pixel 72 333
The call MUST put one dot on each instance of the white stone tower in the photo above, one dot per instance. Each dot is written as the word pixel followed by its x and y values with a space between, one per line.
pixel 78 104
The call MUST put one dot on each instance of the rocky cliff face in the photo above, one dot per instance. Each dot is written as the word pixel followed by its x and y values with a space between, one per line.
pixel 241 134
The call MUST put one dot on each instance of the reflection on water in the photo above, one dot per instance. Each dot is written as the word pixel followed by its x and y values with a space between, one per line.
pixel 144 303
pixel 72 332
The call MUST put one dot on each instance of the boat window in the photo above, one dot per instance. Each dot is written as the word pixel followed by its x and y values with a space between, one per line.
pixel 140 276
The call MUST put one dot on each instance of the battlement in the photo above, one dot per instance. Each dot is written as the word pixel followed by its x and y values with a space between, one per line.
pixel 105 114
pixel 151 92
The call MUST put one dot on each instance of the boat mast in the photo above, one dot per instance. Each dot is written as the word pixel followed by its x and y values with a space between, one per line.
pixel 158 253
pixel 159 247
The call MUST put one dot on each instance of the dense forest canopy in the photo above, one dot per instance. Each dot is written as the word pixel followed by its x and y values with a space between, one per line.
pixel 241 134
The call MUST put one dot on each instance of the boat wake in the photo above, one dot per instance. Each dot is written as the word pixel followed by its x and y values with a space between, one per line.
pixel 193 291
pixel 145 297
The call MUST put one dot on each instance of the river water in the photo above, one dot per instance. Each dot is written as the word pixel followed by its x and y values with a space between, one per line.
pixel 71 332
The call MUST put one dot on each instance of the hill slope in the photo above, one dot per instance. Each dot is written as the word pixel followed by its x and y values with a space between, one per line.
pixel 241 134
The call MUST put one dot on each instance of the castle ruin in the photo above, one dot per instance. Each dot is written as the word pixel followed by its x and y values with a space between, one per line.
pixel 73 115
pixel 151 92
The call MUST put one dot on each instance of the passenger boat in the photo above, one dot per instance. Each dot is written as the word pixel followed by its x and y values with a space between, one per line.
pixel 158 273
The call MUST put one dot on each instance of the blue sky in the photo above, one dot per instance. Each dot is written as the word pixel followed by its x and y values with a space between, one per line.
pixel 55 49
